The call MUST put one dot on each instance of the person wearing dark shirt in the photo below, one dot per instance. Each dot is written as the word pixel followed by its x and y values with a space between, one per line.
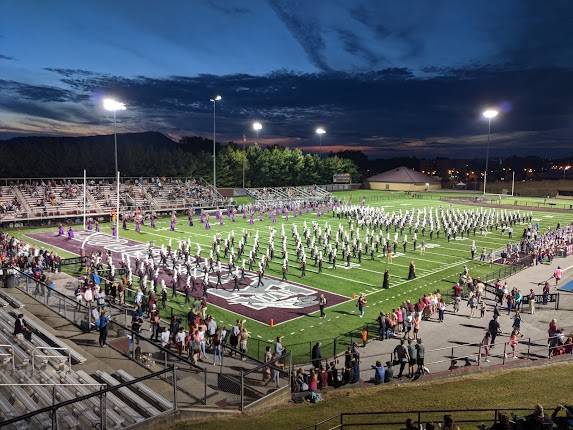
pixel 563 423
pixel 389 373
pixel 401 356
pixel 20 327
pixel 316 355
pixel 494 329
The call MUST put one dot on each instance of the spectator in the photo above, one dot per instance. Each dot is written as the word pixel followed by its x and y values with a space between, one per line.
pixel 389 374
pixel 379 373
pixel 103 322
pixel 420 352
pixel 21 328
pixel 400 355
pixel 316 355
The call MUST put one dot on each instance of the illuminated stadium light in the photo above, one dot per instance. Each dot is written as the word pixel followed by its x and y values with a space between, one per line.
pixel 490 113
pixel 257 126
pixel 214 100
pixel 113 105
pixel 320 131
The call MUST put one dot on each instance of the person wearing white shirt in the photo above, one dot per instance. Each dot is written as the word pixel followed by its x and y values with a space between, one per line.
pixel 165 335
pixel 180 340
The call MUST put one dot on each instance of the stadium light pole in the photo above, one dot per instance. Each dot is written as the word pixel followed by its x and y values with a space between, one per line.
pixel 320 131
pixel 565 170
pixel 257 127
pixel 112 105
pixel 214 100
pixel 488 114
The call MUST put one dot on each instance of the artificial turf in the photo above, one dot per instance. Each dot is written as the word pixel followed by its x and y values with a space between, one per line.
pixel 439 268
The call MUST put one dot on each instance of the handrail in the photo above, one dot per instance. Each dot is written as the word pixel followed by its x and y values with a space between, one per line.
pixel 88 310
pixel 11 354
pixel 99 393
pixel 530 341
pixel 51 348
pixel 51 384
pixel 340 417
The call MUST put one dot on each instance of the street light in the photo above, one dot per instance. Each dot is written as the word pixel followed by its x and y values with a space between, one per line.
pixel 489 114
pixel 214 100
pixel 112 105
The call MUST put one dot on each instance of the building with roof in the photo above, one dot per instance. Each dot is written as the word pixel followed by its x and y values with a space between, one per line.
pixel 403 179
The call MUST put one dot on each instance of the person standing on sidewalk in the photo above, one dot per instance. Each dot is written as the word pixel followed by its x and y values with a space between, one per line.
pixel 103 323
pixel 441 310
pixel 486 345
pixel 531 297
pixel 494 329
pixel 400 356
pixel 420 353
pixel 413 358
pixel 558 274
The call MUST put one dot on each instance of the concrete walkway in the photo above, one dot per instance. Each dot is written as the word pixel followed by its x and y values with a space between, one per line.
pixel 459 330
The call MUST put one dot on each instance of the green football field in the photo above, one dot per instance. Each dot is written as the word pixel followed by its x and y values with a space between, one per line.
pixel 439 269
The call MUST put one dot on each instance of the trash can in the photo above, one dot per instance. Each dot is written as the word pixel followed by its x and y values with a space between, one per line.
pixel 9 280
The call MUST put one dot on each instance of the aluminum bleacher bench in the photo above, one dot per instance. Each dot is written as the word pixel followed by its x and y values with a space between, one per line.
pixel 18 394
pixel 76 356
pixel 127 413
pixel 143 389
pixel 43 396
pixel 143 406
pixel 15 303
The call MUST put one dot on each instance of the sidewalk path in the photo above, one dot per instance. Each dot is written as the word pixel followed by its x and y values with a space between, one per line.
pixel 459 329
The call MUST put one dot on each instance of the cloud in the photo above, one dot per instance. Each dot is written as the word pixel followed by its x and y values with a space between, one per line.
pixel 6 57
pixel 390 111
pixel 305 28
pixel 224 7
pixel 41 93
pixel 353 45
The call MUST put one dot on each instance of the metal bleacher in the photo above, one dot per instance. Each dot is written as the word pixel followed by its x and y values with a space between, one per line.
pixel 32 199
pixel 30 381
pixel 289 194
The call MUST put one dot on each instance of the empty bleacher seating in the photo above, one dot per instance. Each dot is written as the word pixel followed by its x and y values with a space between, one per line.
pixel 25 389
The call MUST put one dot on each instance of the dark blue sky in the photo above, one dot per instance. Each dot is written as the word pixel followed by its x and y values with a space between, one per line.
pixel 387 77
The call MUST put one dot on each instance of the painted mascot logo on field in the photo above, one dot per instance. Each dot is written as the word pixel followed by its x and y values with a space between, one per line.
pixel 275 295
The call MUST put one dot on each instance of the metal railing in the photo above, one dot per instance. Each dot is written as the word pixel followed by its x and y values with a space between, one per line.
pixel 348 420
pixel 276 372
pixel 65 357
pixel 10 355
pixel 197 383
pixel 465 357
pixel 52 415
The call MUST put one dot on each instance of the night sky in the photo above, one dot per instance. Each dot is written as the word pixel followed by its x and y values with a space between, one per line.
pixel 390 78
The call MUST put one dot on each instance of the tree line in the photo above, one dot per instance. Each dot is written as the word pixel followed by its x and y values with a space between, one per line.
pixel 153 154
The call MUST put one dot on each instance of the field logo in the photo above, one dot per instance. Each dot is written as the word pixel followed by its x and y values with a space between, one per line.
pixel 275 295
pixel 346 267
pixel 432 245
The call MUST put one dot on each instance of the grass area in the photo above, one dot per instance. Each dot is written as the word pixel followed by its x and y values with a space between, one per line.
pixel 439 268
pixel 499 389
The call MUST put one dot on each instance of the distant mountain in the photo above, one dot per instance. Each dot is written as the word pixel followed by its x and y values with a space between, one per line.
pixel 152 139
pixel 51 156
